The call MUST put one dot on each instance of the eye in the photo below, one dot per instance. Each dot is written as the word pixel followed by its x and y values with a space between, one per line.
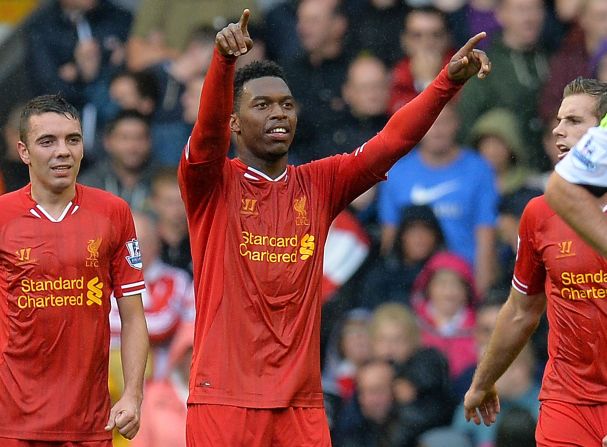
pixel 45 142
pixel 261 105
pixel 74 140
pixel 288 105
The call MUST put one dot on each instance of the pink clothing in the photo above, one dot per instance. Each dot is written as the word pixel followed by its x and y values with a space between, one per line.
pixel 456 339
pixel 163 416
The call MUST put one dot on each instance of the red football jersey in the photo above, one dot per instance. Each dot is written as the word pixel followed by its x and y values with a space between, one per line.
pixel 553 258
pixel 257 248
pixel 55 284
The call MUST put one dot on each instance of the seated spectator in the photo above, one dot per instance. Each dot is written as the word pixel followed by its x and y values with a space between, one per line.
pixel 460 187
pixel 426 42
pixel 498 139
pixel 14 172
pixel 163 412
pixel 376 28
pixel 443 297
pixel 168 208
pixel 421 387
pixel 127 169
pixel 348 349
pixel 517 85
pixel 390 278
pixel 598 63
pixel 168 300
pixel 370 419
pixel 162 27
pixel 516 428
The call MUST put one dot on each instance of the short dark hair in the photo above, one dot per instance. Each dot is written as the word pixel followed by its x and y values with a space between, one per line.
pixel 146 83
pixel 126 115
pixel 45 104
pixel 255 70
pixel 592 87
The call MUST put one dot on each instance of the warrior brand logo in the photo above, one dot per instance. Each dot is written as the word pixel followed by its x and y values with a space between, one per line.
pixel 249 207
pixel 565 249
pixel 95 291
pixel 23 256
pixel 134 257
pixel 93 249
pixel 299 205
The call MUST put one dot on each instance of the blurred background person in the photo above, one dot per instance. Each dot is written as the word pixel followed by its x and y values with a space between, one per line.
pixel 14 172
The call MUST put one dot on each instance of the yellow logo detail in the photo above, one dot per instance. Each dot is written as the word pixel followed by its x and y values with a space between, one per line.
pixel 93 249
pixel 95 292
pixel 307 246
pixel 23 256
pixel 249 207
pixel 565 249
pixel 299 205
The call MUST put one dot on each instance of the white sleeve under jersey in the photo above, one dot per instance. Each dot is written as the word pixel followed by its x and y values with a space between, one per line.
pixel 586 163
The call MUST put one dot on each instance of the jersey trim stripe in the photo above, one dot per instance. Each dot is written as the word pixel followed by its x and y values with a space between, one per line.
pixel 261 174
pixel 135 284
pixel 134 292
pixel 51 218
pixel 518 285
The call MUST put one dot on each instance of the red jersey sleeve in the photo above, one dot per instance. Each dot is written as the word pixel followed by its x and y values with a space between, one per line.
pixel 126 266
pixel 207 148
pixel 358 171
pixel 529 270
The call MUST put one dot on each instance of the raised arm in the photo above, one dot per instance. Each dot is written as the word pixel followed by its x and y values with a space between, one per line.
pixel 210 138
pixel 410 123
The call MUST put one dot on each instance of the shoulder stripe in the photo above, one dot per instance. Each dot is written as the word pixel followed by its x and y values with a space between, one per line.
pixel 135 284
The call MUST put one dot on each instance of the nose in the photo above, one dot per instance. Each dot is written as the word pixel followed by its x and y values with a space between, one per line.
pixel 278 111
pixel 558 130
pixel 61 150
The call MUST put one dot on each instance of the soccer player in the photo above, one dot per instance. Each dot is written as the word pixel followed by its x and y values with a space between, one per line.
pixel 64 250
pixel 573 189
pixel 258 227
pixel 557 270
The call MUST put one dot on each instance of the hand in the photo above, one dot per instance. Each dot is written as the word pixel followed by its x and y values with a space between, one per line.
pixel 486 403
pixel 124 415
pixel 604 443
pixel 234 39
pixel 469 61
pixel 88 59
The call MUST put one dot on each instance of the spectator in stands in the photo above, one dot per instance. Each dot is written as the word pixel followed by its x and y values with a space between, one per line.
pixel 73 47
pixel 316 77
pixel 575 54
pixel 370 419
pixel 14 172
pixel 162 27
pixel 280 21
pixel 443 298
pixel 459 186
pixel 473 17
pixel 390 278
pixel 426 42
pixel 376 29
pixel 523 70
pixel 168 300
pixel 516 428
pixel 349 349
pixel 128 167
pixel 167 206
pixel 497 137
pixel 599 62
pixel 421 385
pixel 190 99
pixel 163 411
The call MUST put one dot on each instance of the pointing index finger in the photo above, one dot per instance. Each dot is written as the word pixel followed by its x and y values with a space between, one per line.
pixel 471 44
pixel 244 20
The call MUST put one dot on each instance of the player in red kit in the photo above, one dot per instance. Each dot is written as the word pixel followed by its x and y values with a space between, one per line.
pixel 64 250
pixel 258 227
pixel 558 272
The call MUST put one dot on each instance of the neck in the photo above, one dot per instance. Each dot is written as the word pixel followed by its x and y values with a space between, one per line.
pixel 511 41
pixel 272 168
pixel 53 202
pixel 172 234
pixel 128 178
pixel 440 158
pixel 329 51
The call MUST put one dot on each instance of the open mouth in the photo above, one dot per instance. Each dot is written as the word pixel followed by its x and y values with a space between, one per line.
pixel 278 133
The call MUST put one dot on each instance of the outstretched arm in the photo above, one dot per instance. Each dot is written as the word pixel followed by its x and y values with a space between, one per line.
pixel 516 322
pixel 410 123
pixel 210 138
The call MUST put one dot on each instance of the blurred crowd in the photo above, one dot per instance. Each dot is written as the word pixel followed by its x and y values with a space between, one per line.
pixel 415 269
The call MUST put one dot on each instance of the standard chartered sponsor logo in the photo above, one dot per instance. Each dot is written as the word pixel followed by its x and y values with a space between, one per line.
pixel 60 292
pixel 276 249
pixel 581 286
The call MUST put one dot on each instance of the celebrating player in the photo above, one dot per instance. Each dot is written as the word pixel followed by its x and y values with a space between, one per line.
pixel 65 249
pixel 556 269
pixel 258 227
